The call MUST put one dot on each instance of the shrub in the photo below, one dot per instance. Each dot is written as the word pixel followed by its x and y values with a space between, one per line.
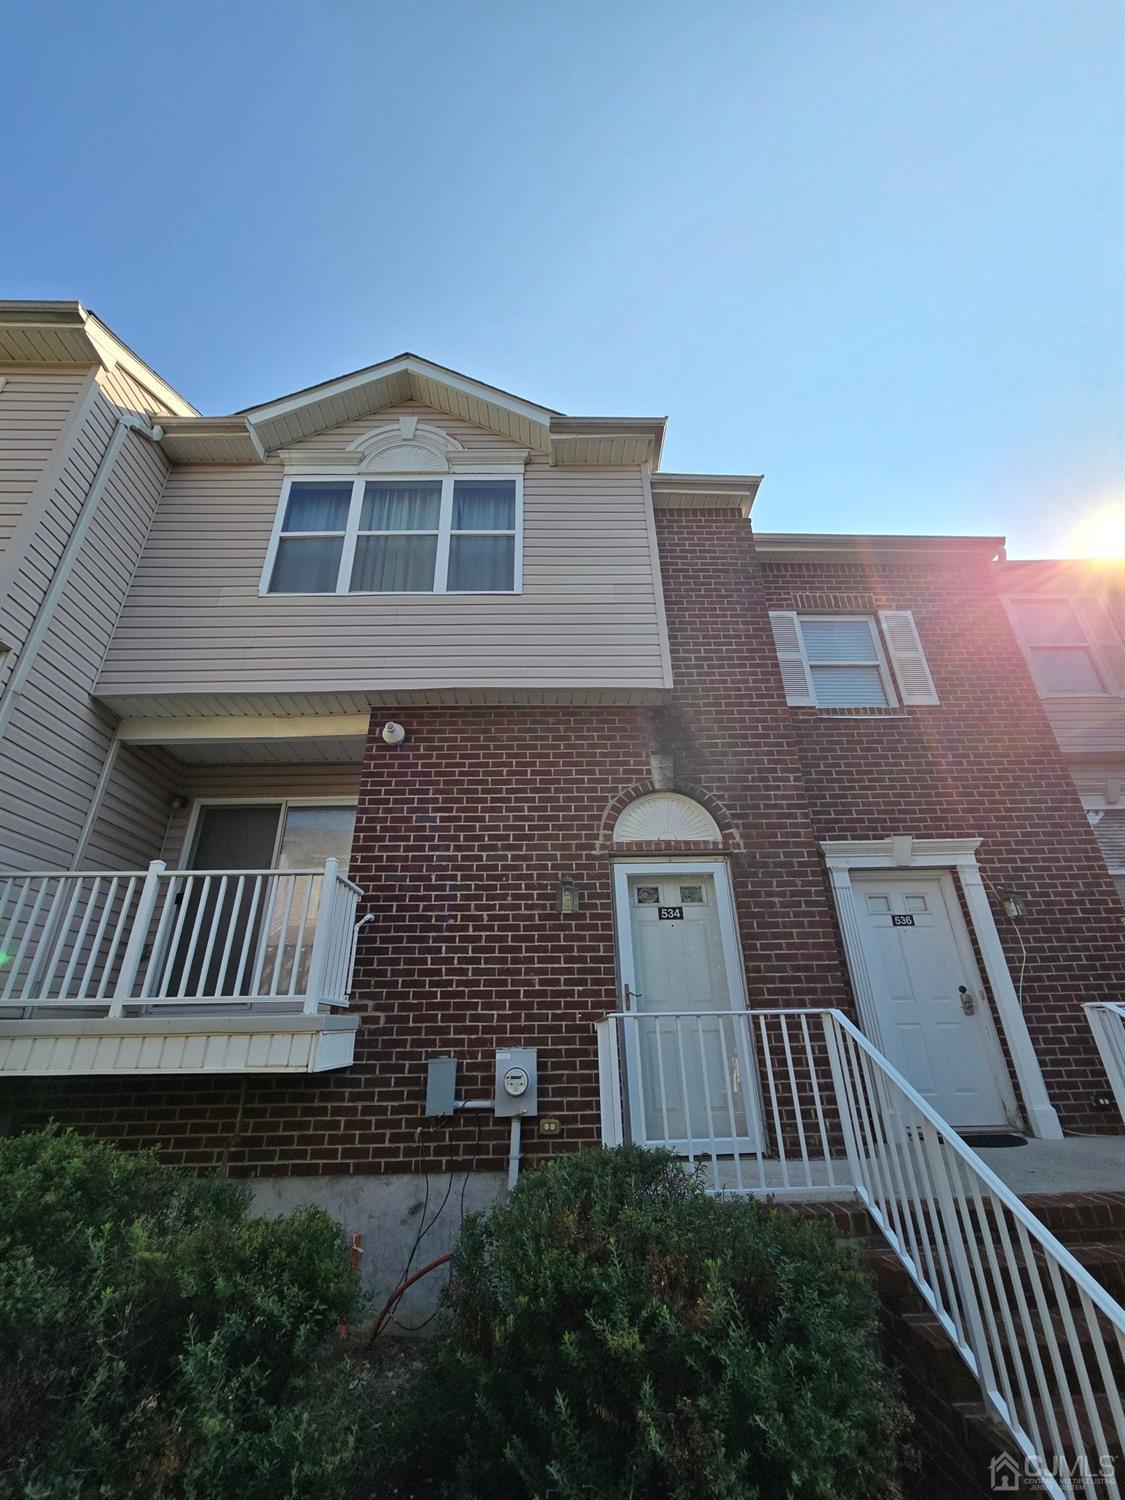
pixel 157 1341
pixel 616 1332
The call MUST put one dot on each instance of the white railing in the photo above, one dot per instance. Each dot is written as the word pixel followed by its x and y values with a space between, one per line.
pixel 1107 1021
pixel 800 1104
pixel 114 943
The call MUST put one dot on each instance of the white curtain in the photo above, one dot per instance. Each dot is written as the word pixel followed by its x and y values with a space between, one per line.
pixel 307 565
pixel 484 505
pixel 317 507
pixel 482 563
pixel 400 507
pixel 394 564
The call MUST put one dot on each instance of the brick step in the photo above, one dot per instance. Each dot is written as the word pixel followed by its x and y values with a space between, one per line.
pixel 1078 1218
pixel 1105 1263
pixel 925 1327
pixel 992 1432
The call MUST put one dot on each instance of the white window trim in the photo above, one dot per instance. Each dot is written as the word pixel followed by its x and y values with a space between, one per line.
pixel 902 852
pixel 880 658
pixel 351 532
pixel 1088 643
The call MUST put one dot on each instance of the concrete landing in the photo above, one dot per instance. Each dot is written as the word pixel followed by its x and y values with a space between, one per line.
pixel 1078 1164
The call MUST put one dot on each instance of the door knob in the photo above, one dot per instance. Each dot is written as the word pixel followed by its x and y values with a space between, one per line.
pixel 968 1004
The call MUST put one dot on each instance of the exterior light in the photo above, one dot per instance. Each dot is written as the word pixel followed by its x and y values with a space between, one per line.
pixel 569 896
pixel 1011 902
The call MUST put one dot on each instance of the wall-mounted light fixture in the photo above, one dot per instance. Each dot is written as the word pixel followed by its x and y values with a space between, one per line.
pixel 570 898
pixel 1012 902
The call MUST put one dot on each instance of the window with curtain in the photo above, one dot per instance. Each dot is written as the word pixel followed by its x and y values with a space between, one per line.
pixel 845 661
pixel 311 541
pixel 439 535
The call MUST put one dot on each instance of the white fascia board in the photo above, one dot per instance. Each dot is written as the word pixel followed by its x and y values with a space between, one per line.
pixel 404 366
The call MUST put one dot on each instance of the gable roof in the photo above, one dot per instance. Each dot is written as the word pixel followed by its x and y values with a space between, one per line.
pixel 259 431
pixel 66 333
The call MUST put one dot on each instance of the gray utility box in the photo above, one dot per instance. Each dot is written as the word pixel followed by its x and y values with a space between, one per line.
pixel 517 1082
pixel 441 1085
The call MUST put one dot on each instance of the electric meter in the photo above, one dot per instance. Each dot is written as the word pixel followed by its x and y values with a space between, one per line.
pixel 517 1085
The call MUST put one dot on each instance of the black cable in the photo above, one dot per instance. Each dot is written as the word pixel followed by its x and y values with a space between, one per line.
pixel 417 1327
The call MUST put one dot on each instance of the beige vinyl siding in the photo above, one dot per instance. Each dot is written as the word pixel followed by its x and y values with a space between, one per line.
pixel 53 752
pixel 133 814
pixel 252 783
pixel 1085 726
pixel 34 407
pixel 128 393
pixel 194 622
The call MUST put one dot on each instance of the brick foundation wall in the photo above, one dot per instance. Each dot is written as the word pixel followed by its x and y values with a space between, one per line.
pixel 984 763
pixel 464 831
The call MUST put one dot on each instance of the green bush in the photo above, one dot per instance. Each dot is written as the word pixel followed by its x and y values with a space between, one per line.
pixel 157 1341
pixel 616 1332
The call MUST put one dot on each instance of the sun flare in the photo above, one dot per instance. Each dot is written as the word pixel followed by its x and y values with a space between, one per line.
pixel 1103 533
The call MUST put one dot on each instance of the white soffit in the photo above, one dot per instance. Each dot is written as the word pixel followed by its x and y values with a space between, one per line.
pixel 65 333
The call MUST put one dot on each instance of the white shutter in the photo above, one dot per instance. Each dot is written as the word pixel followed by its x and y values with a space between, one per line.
pixel 904 647
pixel 1108 646
pixel 795 675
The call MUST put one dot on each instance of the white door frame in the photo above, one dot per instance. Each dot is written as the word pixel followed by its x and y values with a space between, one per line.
pixel 903 852
pixel 719 871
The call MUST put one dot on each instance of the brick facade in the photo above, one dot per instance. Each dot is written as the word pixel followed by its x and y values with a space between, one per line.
pixel 984 764
pixel 464 832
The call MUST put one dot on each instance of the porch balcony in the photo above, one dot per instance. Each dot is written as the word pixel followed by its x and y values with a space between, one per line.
pixel 164 971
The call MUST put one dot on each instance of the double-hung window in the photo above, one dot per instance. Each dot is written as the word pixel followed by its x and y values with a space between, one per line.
pixel 396 536
pixel 851 661
pixel 1072 646
pixel 846 661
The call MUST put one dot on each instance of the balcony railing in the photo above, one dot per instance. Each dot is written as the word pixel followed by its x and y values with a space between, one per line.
pixel 800 1104
pixel 1107 1021
pixel 164 971
pixel 129 943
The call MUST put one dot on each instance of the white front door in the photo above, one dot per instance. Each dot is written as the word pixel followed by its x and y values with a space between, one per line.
pixel 690 1075
pixel 932 1016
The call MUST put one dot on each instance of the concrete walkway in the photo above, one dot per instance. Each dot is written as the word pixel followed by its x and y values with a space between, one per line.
pixel 1078 1164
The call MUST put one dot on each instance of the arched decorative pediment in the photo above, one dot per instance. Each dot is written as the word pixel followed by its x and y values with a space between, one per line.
pixel 664 817
pixel 405 446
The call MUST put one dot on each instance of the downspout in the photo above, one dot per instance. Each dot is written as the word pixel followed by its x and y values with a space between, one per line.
pixel 126 423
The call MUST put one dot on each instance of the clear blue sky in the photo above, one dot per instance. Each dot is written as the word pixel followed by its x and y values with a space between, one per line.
pixel 872 250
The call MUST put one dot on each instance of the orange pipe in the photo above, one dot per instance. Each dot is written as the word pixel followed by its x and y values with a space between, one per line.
pixel 388 1306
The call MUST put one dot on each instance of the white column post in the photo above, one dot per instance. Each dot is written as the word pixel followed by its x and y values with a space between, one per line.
pixel 609 1082
pixel 1042 1119
pixel 322 938
pixel 138 936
